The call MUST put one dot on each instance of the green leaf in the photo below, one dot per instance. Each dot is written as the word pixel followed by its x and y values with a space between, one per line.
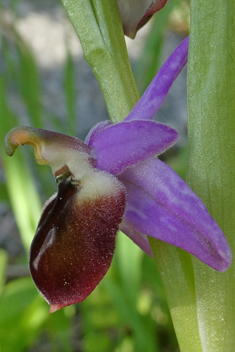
pixel 3 264
pixel 28 80
pixel 211 167
pixel 129 263
pixel 22 315
pixel 20 186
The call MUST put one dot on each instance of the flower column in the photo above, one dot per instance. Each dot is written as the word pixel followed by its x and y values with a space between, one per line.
pixel 211 172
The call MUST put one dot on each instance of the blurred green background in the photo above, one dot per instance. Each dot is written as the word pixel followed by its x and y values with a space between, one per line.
pixel 127 312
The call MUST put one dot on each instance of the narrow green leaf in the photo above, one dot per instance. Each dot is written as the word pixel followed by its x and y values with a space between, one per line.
pixel 3 264
pixel 15 298
pixel 28 80
pixel 142 331
pixel 129 265
pixel 18 328
pixel 211 172
pixel 21 189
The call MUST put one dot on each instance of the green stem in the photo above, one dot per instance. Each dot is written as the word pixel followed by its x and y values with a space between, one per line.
pixel 175 268
pixel 99 28
pixel 211 172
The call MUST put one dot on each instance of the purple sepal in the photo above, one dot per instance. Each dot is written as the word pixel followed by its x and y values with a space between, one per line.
pixel 127 143
pixel 160 204
pixel 156 93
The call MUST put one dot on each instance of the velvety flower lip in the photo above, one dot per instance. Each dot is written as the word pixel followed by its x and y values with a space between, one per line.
pixel 135 13
pixel 114 181
pixel 75 239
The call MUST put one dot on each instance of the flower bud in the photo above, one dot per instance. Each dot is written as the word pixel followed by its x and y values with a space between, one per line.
pixel 135 13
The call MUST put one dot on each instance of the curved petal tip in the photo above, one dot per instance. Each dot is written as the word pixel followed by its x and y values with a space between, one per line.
pixel 19 136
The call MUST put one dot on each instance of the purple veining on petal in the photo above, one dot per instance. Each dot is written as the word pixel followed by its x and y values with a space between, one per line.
pixel 96 130
pixel 137 237
pixel 160 204
pixel 127 143
pixel 155 94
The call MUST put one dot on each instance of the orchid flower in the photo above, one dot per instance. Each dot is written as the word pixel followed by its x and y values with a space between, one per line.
pixel 114 181
pixel 135 13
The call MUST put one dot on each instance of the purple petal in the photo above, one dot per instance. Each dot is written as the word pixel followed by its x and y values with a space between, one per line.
pixel 127 143
pixel 161 205
pixel 155 94
pixel 137 237
pixel 96 130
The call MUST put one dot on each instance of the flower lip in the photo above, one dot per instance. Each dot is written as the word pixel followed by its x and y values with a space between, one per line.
pixel 75 239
